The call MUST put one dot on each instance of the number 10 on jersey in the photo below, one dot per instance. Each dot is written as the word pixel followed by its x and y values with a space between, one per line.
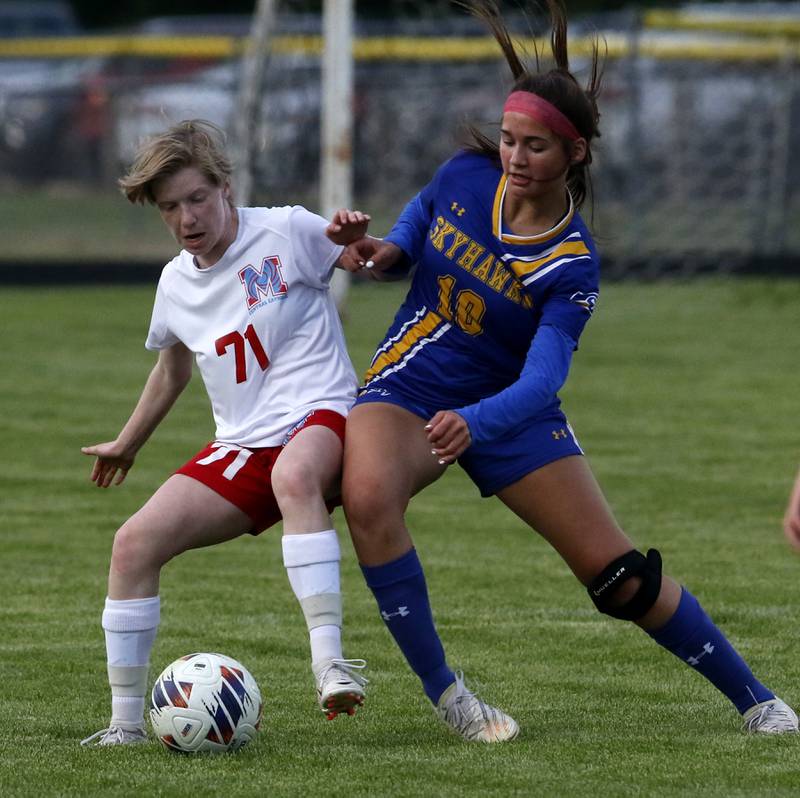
pixel 237 341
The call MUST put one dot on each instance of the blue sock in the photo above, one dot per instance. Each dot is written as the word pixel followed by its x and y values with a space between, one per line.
pixel 402 596
pixel 691 635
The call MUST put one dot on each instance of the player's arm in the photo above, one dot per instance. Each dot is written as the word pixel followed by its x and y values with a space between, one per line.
pixel 381 260
pixel 791 520
pixel 546 367
pixel 411 228
pixel 569 305
pixel 169 377
pixel 347 226
pixel 391 258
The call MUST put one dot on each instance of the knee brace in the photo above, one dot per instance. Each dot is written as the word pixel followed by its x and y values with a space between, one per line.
pixel 604 586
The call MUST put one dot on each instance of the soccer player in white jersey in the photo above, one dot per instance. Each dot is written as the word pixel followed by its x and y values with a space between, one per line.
pixel 248 300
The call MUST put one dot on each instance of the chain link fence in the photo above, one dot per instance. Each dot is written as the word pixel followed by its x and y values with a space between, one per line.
pixel 693 171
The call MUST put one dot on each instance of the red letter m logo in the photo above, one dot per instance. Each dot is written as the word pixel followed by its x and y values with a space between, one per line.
pixel 264 282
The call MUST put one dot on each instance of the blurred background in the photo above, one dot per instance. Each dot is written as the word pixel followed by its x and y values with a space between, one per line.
pixel 694 172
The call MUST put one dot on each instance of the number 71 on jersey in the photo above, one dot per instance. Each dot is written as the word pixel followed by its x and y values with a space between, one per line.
pixel 237 341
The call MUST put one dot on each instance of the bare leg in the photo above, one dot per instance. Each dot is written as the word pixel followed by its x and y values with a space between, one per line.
pixel 387 460
pixel 306 472
pixel 182 514
pixel 563 502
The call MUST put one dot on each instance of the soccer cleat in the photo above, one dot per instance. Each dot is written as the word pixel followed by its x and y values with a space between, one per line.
pixel 770 717
pixel 473 719
pixel 116 735
pixel 340 688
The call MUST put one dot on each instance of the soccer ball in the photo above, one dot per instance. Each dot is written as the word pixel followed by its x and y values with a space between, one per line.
pixel 205 702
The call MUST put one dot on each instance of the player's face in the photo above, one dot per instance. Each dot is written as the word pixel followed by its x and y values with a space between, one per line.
pixel 534 158
pixel 197 213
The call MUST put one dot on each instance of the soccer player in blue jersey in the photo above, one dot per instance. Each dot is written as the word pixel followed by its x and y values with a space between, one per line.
pixel 506 279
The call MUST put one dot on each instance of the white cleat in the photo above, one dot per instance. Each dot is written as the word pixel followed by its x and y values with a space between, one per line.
pixel 770 717
pixel 340 687
pixel 116 735
pixel 473 719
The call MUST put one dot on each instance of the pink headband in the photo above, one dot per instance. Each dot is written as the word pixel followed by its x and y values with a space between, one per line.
pixel 534 106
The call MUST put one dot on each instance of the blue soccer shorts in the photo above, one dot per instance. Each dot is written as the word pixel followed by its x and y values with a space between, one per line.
pixel 497 464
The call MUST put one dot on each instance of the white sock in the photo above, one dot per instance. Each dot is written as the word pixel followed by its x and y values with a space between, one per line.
pixel 326 642
pixel 130 628
pixel 312 563
pixel 127 710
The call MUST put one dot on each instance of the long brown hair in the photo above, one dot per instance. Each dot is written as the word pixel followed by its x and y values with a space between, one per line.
pixel 556 85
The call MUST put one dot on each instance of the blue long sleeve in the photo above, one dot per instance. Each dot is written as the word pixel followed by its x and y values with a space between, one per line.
pixel 545 371
pixel 410 229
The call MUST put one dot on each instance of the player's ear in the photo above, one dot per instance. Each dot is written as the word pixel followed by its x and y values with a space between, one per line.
pixel 579 150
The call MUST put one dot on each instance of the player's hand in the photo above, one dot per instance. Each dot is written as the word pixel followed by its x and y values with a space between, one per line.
pixel 356 255
pixel 448 435
pixel 374 255
pixel 112 461
pixel 347 226
pixel 791 520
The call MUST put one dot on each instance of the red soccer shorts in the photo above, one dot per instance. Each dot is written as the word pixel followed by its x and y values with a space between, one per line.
pixel 244 476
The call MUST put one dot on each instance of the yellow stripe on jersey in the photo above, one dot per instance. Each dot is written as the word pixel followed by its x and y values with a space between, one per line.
pixel 497 207
pixel 524 268
pixel 423 328
pixel 508 238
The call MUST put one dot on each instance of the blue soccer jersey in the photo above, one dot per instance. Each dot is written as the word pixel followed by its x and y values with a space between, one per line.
pixel 480 293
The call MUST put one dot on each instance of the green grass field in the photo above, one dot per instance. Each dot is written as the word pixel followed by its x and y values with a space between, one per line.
pixel 685 399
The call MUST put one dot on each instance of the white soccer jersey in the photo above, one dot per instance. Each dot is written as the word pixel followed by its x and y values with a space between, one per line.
pixel 262 325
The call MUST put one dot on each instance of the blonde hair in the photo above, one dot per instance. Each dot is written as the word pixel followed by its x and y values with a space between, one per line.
pixel 193 142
